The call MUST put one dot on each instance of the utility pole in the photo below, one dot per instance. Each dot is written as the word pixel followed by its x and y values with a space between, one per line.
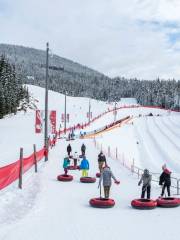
pixel 115 112
pixel 89 110
pixel 65 114
pixel 46 102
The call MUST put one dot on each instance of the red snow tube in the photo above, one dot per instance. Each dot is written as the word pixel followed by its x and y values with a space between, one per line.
pixel 102 203
pixel 98 175
pixel 88 180
pixel 65 178
pixel 143 204
pixel 72 167
pixel 168 202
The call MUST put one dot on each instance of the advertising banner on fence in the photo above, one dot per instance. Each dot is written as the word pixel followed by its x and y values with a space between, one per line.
pixel 63 117
pixel 52 118
pixel 39 121
pixel 88 114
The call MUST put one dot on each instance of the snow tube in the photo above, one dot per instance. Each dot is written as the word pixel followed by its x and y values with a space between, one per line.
pixel 65 178
pixel 168 202
pixel 102 203
pixel 143 204
pixel 72 167
pixel 88 180
pixel 98 175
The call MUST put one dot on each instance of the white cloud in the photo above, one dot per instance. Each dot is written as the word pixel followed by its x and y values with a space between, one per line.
pixel 106 35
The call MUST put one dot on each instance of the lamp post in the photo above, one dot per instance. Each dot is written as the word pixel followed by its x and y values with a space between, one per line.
pixel 46 102
pixel 89 110
pixel 65 113
pixel 115 112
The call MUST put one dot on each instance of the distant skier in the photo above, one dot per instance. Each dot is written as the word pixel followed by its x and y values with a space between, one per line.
pixel 165 180
pixel 83 149
pixel 146 180
pixel 84 166
pixel 69 149
pixel 66 163
pixel 106 176
pixel 101 160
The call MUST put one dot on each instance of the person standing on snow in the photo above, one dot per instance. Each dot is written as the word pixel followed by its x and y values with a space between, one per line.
pixel 146 180
pixel 106 176
pixel 165 180
pixel 101 161
pixel 69 149
pixel 84 166
pixel 83 149
pixel 66 163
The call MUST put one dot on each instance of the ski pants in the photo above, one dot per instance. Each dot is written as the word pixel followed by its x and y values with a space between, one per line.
pixel 168 190
pixel 69 153
pixel 106 191
pixel 144 190
pixel 84 172
pixel 65 171
pixel 75 162
pixel 100 166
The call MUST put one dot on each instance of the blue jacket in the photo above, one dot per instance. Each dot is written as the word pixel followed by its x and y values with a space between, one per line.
pixel 84 164
pixel 66 162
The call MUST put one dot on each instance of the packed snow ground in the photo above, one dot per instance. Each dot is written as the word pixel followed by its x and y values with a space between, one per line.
pixel 47 209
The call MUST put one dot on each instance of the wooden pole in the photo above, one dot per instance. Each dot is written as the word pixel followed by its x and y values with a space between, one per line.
pixel 35 158
pixel 21 168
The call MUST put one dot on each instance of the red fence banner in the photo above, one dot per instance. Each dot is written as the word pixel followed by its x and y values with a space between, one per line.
pixel 38 121
pixel 52 118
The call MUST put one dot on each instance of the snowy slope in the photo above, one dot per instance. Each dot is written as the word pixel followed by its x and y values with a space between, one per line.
pixel 18 131
pixel 47 209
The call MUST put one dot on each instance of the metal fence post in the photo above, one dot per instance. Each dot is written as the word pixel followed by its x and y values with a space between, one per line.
pixel 178 186
pixel 109 151
pixel 132 166
pixel 35 158
pixel 21 168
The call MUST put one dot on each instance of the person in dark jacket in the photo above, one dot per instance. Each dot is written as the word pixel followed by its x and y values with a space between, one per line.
pixel 106 176
pixel 83 149
pixel 146 180
pixel 165 180
pixel 101 161
pixel 69 149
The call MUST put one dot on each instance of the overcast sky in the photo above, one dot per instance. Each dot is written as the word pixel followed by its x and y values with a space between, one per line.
pixel 130 38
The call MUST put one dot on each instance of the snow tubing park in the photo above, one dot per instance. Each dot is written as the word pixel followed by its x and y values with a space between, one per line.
pixel 168 202
pixel 143 204
pixel 65 178
pixel 102 203
pixel 87 180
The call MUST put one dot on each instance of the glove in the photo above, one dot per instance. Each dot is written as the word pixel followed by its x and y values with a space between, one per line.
pixel 117 182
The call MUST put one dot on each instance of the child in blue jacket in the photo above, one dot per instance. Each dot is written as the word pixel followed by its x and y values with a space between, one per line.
pixel 66 163
pixel 84 166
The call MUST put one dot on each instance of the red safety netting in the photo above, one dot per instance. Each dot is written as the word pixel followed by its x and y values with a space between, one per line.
pixel 9 174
